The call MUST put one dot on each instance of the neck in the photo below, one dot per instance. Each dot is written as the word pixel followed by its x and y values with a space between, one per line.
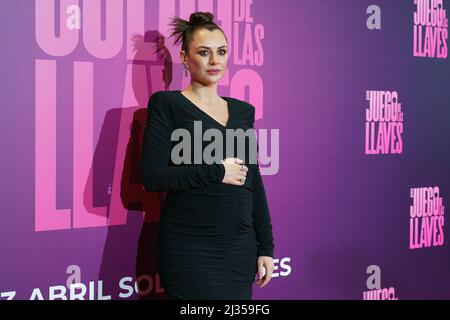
pixel 203 93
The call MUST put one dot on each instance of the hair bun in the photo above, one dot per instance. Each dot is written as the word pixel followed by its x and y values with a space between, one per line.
pixel 201 18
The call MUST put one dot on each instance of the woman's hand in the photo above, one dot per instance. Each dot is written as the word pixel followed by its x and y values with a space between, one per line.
pixel 235 171
pixel 265 269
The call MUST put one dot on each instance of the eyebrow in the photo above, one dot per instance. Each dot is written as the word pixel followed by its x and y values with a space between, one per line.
pixel 210 47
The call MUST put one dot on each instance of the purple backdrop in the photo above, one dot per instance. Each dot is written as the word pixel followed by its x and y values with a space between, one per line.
pixel 335 209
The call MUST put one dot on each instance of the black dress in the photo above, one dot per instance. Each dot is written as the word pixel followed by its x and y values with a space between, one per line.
pixel 210 233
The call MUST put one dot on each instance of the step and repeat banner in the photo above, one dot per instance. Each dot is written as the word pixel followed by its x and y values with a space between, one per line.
pixel 352 103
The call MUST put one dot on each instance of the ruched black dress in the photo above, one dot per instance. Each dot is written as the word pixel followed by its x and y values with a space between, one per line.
pixel 210 233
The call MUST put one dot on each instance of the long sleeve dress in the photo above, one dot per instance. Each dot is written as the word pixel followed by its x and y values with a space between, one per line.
pixel 210 233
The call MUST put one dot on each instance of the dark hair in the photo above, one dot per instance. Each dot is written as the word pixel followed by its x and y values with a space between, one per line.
pixel 183 30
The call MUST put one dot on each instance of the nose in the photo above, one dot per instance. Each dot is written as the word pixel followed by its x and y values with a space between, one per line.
pixel 213 59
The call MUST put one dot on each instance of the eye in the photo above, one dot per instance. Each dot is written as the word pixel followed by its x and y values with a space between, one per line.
pixel 201 52
pixel 223 51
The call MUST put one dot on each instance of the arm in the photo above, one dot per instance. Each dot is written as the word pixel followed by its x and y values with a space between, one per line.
pixel 157 175
pixel 261 215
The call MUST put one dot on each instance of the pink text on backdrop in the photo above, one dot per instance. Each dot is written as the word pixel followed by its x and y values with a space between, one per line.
pixel 63 39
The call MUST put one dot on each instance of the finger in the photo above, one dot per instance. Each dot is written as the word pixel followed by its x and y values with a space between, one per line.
pixel 266 281
pixel 242 168
pixel 235 182
pixel 230 160
pixel 238 161
pixel 261 283
pixel 261 271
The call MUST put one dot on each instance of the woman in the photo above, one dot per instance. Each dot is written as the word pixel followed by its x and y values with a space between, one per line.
pixel 215 231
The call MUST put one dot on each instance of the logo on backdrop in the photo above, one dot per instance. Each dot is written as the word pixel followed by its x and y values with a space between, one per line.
pixel 430 29
pixel 373 283
pixel 426 218
pixel 384 123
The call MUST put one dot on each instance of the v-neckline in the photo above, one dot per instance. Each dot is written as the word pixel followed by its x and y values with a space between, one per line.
pixel 206 114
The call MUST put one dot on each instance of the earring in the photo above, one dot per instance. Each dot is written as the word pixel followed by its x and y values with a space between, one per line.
pixel 186 68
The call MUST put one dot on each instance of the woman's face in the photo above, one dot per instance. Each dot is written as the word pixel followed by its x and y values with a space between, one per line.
pixel 208 50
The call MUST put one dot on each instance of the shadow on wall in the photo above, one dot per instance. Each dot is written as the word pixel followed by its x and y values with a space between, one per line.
pixel 130 249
